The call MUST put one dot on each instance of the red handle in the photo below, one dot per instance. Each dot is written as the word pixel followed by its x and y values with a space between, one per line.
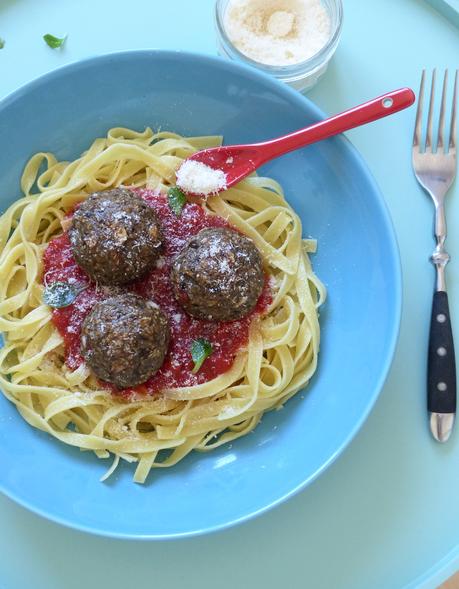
pixel 367 112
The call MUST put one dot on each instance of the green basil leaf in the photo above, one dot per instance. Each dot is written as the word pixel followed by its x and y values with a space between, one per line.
pixel 54 42
pixel 61 294
pixel 2 43
pixel 176 199
pixel 200 350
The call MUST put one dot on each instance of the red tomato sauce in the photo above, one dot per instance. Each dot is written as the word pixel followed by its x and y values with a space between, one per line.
pixel 226 337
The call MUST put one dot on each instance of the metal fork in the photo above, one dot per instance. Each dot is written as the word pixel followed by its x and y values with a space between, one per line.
pixel 435 169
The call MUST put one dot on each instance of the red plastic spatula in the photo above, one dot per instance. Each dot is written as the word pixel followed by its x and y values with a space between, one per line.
pixel 238 161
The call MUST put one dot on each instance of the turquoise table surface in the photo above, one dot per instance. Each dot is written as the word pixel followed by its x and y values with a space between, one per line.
pixel 386 514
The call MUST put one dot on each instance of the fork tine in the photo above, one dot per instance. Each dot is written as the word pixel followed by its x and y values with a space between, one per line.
pixel 441 122
pixel 431 108
pixel 418 124
pixel 452 132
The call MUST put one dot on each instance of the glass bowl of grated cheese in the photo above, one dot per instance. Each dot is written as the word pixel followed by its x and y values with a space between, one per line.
pixel 293 40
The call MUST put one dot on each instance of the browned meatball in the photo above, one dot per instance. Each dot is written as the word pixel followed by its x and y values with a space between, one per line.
pixel 115 236
pixel 218 275
pixel 124 339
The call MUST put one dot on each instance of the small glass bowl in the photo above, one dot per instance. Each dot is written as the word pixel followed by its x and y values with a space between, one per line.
pixel 302 75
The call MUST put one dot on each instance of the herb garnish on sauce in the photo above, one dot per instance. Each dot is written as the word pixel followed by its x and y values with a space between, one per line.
pixel 176 199
pixel 200 350
pixel 61 294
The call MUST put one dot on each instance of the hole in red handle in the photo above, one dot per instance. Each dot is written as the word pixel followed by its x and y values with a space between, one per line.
pixel 387 102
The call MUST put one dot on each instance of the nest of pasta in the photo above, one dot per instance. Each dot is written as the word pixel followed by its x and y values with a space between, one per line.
pixel 151 430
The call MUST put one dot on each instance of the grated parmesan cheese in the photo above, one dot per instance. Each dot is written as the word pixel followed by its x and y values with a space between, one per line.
pixel 197 178
pixel 280 23
pixel 277 32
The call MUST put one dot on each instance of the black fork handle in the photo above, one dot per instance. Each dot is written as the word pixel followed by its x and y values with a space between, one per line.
pixel 441 366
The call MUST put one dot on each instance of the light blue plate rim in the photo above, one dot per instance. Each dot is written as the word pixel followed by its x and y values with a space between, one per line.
pixel 393 253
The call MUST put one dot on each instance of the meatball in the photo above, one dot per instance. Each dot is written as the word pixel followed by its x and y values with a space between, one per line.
pixel 218 275
pixel 115 236
pixel 124 339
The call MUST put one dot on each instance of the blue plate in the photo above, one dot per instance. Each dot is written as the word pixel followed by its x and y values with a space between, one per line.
pixel 331 189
